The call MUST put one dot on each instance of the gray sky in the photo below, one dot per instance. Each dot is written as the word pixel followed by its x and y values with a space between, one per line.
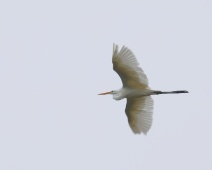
pixel 55 57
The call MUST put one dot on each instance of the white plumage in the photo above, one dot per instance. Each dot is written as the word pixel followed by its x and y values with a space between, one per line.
pixel 127 67
pixel 139 107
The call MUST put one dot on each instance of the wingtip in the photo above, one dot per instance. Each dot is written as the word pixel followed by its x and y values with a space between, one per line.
pixel 139 132
pixel 115 50
pixel 115 47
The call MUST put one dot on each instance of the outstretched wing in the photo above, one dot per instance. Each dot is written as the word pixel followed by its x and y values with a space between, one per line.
pixel 139 113
pixel 127 67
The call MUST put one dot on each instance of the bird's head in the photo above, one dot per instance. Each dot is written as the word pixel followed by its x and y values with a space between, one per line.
pixel 110 92
pixel 116 94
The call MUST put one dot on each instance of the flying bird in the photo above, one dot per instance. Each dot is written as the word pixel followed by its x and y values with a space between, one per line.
pixel 136 90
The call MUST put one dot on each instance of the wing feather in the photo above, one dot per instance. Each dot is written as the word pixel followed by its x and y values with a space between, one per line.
pixel 127 67
pixel 139 112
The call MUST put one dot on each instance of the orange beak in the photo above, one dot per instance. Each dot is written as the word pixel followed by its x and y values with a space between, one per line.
pixel 104 93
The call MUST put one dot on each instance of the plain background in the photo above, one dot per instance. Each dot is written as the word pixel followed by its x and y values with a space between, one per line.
pixel 55 57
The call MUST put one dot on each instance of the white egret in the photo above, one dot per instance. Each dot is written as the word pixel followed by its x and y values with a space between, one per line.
pixel 135 88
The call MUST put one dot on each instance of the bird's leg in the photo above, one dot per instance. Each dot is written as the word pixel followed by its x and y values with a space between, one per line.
pixel 170 92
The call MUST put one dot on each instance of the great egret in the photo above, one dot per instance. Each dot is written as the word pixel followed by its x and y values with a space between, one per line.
pixel 135 88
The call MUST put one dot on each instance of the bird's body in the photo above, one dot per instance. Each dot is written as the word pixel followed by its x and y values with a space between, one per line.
pixel 135 88
pixel 125 92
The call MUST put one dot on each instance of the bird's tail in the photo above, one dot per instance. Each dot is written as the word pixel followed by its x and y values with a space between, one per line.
pixel 171 92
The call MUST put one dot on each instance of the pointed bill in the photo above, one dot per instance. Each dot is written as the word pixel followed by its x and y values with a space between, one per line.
pixel 105 93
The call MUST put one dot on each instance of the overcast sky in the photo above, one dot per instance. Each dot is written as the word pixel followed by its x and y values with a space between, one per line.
pixel 55 57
